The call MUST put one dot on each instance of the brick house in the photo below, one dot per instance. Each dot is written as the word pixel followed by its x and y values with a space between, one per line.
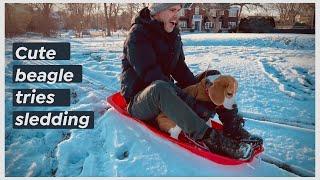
pixel 196 17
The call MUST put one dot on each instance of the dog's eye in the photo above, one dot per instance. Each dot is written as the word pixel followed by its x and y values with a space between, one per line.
pixel 230 94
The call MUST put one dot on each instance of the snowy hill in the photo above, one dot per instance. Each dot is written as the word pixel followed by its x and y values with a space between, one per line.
pixel 276 74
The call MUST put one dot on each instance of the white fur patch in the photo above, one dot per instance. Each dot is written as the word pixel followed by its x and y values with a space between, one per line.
pixel 174 132
pixel 217 121
pixel 228 102
pixel 209 122
pixel 213 77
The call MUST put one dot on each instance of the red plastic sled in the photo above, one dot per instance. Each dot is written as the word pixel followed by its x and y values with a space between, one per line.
pixel 118 102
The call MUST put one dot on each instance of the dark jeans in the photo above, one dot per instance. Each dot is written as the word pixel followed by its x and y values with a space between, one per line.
pixel 160 96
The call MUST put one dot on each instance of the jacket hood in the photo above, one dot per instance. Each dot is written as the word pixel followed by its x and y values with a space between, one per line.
pixel 143 17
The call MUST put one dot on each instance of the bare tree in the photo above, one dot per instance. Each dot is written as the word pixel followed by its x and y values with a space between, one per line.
pixel 248 6
pixel 76 18
pixel 42 20
pixel 18 17
pixel 308 9
pixel 108 7
pixel 115 12
pixel 41 17
pixel 134 8
pixel 9 27
pixel 289 11
pixel 91 12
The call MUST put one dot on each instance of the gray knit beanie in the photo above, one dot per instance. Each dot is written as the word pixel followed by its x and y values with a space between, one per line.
pixel 158 7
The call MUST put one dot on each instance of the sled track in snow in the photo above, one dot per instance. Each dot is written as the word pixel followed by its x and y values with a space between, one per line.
pixel 287 167
pixel 297 170
pixel 284 122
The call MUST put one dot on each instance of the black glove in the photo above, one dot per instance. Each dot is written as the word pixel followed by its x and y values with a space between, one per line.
pixel 237 116
pixel 232 121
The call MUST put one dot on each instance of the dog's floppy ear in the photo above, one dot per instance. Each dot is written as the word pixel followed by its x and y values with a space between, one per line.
pixel 217 92
pixel 237 85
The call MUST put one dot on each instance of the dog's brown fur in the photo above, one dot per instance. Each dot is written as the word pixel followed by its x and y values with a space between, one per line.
pixel 221 88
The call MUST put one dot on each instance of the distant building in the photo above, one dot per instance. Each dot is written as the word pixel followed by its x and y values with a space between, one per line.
pixel 196 17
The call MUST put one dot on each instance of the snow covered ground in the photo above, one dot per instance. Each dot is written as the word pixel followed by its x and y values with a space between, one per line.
pixel 276 75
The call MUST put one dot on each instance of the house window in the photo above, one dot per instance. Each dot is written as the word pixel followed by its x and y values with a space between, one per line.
pixel 213 12
pixel 232 24
pixel 233 13
pixel 208 25
pixel 181 12
pixel 183 24
pixel 196 10
pixel 221 13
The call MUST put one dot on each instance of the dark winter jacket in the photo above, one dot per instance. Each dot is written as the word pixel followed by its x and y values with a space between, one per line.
pixel 149 54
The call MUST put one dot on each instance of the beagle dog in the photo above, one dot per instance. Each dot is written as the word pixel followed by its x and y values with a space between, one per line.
pixel 219 89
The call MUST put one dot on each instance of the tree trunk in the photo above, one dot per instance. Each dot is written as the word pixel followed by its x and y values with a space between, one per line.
pixel 115 13
pixel 46 14
pixel 9 24
pixel 239 18
pixel 107 17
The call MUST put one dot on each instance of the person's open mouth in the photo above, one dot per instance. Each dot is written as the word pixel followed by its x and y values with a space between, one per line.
pixel 174 23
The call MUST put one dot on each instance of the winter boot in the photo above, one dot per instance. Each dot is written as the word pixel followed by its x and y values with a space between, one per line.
pixel 233 127
pixel 218 143
pixel 245 136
